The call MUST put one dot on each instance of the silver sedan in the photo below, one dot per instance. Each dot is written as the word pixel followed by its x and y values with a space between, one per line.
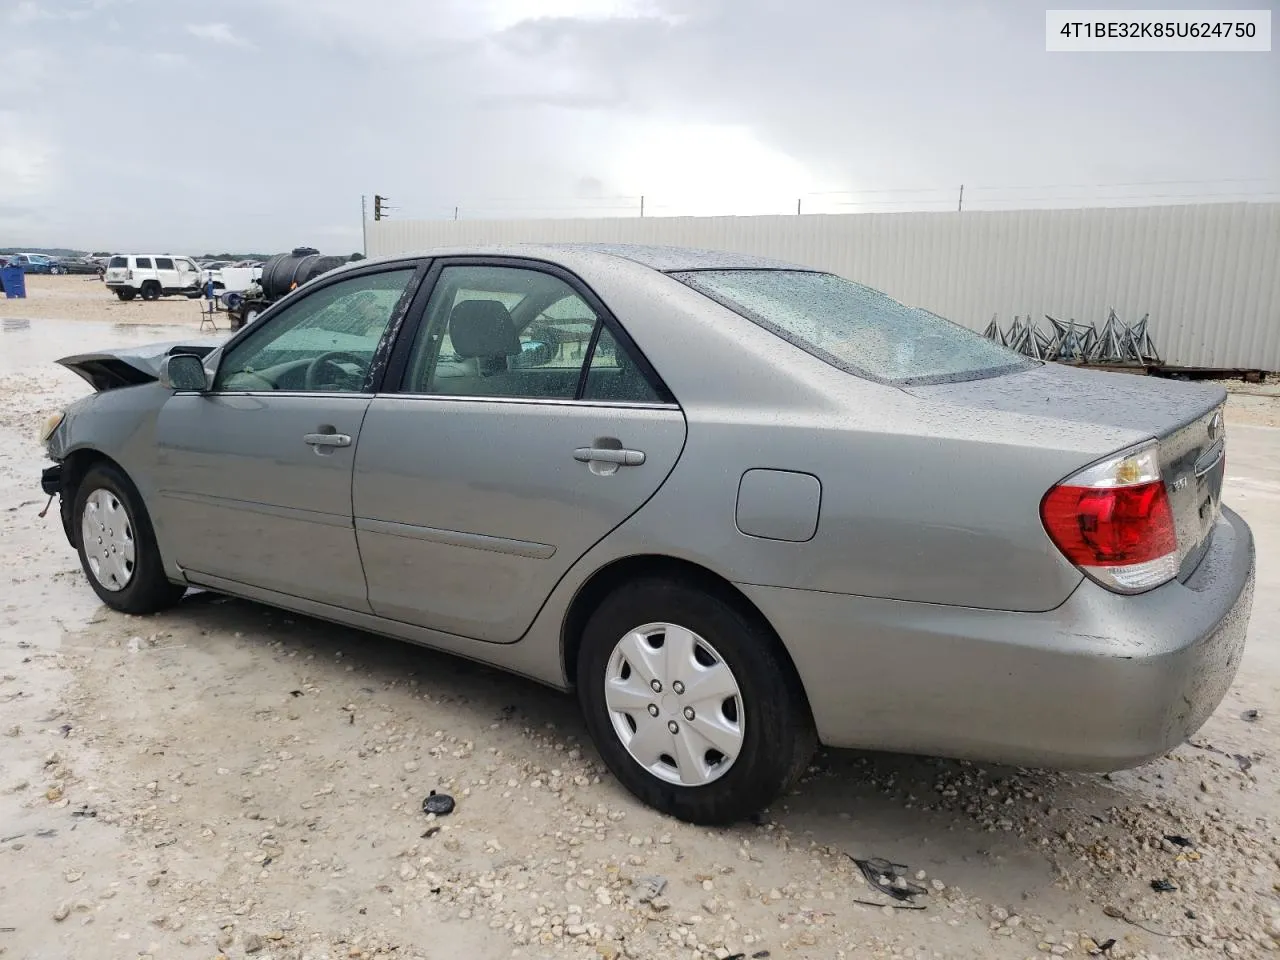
pixel 741 506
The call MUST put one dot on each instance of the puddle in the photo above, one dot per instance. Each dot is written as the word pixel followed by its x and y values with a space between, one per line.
pixel 28 344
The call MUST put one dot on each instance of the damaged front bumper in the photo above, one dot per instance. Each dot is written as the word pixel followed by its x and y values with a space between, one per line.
pixel 51 480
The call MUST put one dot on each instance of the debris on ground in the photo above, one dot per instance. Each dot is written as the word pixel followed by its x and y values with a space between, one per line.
pixel 890 879
pixel 1095 947
pixel 1252 715
pixel 650 887
pixel 1163 886
pixel 441 804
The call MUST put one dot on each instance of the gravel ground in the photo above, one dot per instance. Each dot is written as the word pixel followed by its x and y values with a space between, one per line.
pixel 88 298
pixel 228 780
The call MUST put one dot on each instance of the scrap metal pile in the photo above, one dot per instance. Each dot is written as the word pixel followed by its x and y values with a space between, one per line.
pixel 1070 341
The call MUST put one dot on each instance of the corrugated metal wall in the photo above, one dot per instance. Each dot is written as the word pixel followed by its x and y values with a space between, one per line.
pixel 1208 274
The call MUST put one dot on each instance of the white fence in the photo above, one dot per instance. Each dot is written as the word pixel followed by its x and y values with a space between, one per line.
pixel 1208 274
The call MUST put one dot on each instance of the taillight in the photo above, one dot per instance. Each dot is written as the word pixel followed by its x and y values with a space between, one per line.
pixel 128 274
pixel 1114 522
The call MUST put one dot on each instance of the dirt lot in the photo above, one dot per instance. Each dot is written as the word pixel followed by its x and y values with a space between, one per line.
pixel 87 298
pixel 229 780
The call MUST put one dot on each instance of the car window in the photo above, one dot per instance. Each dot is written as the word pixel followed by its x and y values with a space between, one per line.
pixel 164 263
pixel 501 332
pixel 186 265
pixel 144 263
pixel 855 328
pixel 118 262
pixel 615 376
pixel 324 341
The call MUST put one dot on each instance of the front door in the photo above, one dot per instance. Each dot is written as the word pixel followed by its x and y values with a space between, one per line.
pixel 254 476
pixel 525 431
pixel 188 275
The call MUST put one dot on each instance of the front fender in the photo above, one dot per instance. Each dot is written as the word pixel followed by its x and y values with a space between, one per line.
pixel 119 426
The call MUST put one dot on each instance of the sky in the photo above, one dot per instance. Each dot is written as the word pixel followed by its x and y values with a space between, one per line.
pixel 259 124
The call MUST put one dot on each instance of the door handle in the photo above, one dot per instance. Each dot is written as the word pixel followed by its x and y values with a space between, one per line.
pixel 327 439
pixel 623 458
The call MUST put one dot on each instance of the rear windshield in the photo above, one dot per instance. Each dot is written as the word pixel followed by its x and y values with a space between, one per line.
pixel 855 328
pixel 118 262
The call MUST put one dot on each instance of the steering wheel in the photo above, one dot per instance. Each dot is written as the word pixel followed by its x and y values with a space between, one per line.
pixel 311 376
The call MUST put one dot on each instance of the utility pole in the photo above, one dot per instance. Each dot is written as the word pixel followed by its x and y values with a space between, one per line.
pixel 455 213
pixel 364 225
pixel 380 206
pixel 642 204
pixel 960 205
pixel 798 206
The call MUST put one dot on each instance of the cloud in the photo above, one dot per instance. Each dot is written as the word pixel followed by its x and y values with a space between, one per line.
pixel 27 160
pixel 556 107
pixel 217 33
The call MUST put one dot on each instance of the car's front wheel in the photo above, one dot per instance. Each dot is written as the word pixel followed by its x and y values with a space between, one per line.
pixel 117 545
pixel 691 701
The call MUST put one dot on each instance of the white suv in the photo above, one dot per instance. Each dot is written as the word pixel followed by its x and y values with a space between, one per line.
pixel 152 276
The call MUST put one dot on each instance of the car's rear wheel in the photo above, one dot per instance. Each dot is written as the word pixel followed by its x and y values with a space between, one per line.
pixel 118 546
pixel 151 290
pixel 691 701
pixel 126 293
pixel 57 271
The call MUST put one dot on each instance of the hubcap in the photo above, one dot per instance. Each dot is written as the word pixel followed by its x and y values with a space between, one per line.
pixel 107 535
pixel 688 736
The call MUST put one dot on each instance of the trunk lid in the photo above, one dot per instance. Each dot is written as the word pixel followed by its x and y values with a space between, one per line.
pixel 117 270
pixel 129 366
pixel 1187 420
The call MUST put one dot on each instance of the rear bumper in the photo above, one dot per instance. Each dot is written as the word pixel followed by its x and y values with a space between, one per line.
pixel 1104 682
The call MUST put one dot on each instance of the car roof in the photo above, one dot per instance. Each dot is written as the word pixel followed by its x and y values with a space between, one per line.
pixel 663 259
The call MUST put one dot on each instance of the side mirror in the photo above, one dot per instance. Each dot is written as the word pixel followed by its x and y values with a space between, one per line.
pixel 183 371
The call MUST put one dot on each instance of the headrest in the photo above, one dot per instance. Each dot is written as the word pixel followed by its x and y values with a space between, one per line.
pixel 483 328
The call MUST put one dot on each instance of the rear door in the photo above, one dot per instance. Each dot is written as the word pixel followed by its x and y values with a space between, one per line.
pixel 525 429
pixel 117 270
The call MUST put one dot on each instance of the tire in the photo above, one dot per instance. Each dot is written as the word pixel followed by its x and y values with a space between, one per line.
pixel 56 271
pixel 126 293
pixel 116 514
pixel 151 290
pixel 775 737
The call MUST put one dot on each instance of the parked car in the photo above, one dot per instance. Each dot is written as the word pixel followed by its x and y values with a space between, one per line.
pixel 152 276
pixel 32 262
pixel 757 507
pixel 229 278
pixel 77 265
